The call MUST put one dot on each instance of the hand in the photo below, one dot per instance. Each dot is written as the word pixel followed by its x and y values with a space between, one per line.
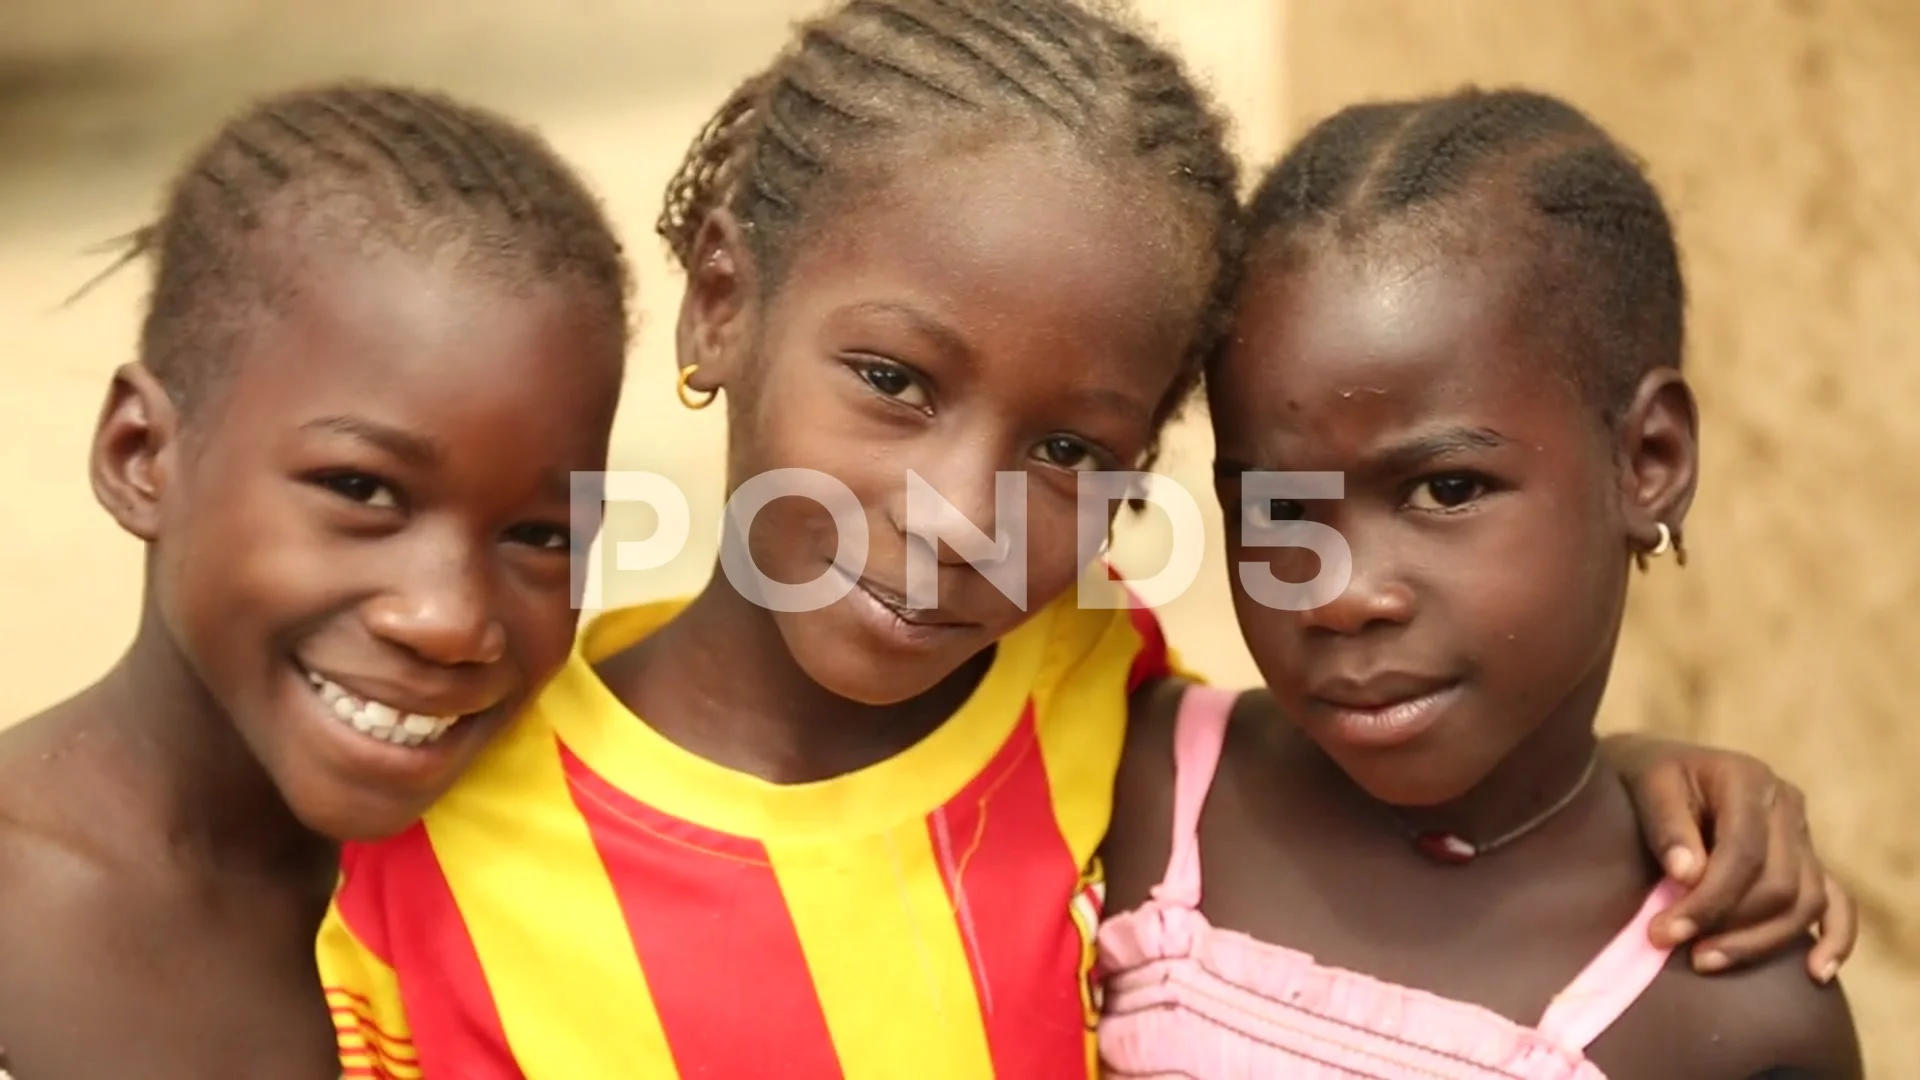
pixel 1762 886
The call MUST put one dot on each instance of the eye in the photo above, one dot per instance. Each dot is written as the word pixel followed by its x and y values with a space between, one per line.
pixel 543 537
pixel 1449 492
pixel 361 488
pixel 1271 511
pixel 891 380
pixel 1066 452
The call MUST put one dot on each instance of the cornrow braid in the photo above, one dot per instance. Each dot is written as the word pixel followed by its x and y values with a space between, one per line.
pixel 868 76
pixel 407 166
pixel 1602 241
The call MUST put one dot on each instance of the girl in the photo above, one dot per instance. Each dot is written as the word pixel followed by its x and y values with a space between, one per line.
pixel 1470 307
pixel 384 328
pixel 728 841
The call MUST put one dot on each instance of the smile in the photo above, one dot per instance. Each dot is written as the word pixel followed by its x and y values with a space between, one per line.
pixel 377 719
pixel 891 624
pixel 897 606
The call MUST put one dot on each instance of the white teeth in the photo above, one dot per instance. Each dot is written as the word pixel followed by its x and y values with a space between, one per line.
pixel 377 719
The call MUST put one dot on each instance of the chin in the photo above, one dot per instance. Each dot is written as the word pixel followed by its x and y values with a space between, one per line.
pixel 1403 779
pixel 845 651
pixel 837 663
pixel 357 824
pixel 865 680
pixel 346 812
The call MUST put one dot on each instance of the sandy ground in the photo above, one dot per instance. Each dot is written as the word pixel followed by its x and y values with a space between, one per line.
pixel 1778 127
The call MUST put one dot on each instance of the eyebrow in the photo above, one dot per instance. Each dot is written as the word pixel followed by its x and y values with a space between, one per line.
pixel 1421 449
pixel 408 447
pixel 1401 457
pixel 946 336
pixel 1113 401
pixel 419 452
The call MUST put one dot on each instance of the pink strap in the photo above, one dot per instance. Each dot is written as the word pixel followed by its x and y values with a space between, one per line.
pixel 1614 980
pixel 1199 730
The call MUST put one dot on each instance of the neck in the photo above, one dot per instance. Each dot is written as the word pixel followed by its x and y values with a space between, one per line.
pixel 1528 789
pixel 1551 774
pixel 720 681
pixel 174 755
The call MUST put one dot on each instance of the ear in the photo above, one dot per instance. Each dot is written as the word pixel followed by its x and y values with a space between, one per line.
pixel 135 447
pixel 717 310
pixel 1660 457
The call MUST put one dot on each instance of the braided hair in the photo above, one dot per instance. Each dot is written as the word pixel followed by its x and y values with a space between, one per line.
pixel 1604 264
pixel 870 78
pixel 382 163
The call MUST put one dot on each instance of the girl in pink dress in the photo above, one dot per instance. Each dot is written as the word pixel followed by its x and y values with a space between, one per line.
pixel 1406 860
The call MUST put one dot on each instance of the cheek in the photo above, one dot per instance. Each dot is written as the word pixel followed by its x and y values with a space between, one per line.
pixel 540 626
pixel 1547 589
pixel 1269 633
pixel 775 429
pixel 1053 543
pixel 241 566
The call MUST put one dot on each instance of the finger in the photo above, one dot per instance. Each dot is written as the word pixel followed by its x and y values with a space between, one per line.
pixel 1839 932
pixel 1789 794
pixel 1742 847
pixel 1789 808
pixel 1791 875
pixel 1788 916
pixel 1670 808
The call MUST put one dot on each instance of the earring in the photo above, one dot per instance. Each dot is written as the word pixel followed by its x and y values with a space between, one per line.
pixel 692 402
pixel 1667 542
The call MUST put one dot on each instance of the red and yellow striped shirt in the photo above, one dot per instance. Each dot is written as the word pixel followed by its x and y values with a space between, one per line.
pixel 593 901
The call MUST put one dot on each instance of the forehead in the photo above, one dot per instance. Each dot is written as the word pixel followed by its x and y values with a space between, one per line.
pixel 1023 246
pixel 388 322
pixel 1338 348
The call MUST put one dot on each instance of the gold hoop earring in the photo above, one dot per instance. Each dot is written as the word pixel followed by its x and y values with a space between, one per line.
pixel 1668 542
pixel 686 392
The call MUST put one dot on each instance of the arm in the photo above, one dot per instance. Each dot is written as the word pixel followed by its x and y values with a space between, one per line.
pixel 1782 1027
pixel 1761 886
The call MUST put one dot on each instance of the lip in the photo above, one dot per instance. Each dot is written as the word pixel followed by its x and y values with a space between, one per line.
pixel 886 613
pixel 392 693
pixel 1381 711
pixel 372 760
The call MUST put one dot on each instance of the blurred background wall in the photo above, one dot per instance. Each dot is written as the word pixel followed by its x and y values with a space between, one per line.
pixel 1782 132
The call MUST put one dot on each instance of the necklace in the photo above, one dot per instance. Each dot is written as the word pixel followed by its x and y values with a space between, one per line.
pixel 1452 849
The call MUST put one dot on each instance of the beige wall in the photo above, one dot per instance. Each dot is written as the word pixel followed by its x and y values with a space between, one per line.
pixel 1784 135
pixel 1779 131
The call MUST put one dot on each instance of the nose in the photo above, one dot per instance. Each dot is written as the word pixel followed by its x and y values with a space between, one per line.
pixel 1376 595
pixel 442 614
pixel 953 506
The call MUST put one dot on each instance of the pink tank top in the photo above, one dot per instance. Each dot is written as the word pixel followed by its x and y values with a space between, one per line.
pixel 1185 999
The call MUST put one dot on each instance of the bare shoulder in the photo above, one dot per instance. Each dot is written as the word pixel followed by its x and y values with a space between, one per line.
pixel 53 887
pixel 1768 1019
pixel 1138 836
pixel 1775 1016
pixel 45 871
